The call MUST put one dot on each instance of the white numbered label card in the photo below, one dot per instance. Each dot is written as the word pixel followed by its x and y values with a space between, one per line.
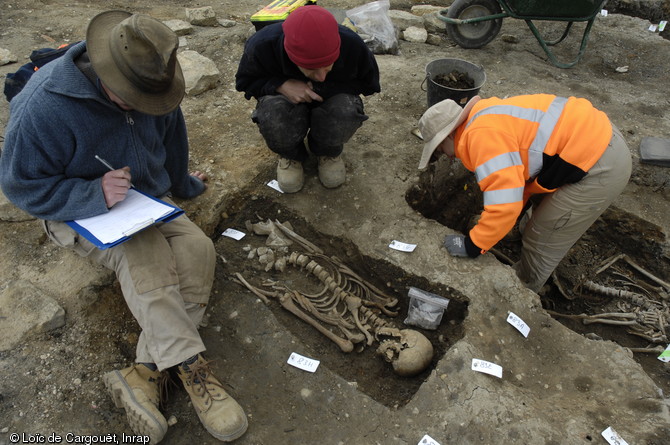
pixel 304 363
pixel 487 367
pixel 518 323
pixel 427 440
pixel 275 185
pixel 612 437
pixel 403 247
pixel 234 234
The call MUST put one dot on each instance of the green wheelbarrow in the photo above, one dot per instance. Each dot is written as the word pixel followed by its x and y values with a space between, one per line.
pixel 474 23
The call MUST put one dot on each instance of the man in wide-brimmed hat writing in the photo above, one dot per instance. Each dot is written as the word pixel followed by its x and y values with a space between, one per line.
pixel 117 95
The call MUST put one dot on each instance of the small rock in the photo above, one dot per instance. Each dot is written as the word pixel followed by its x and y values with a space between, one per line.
pixel 6 57
pixel 32 311
pixel 434 39
pixel 403 19
pixel 426 9
pixel 415 34
pixel 227 23
pixel 433 23
pixel 180 27
pixel 204 16
pixel 200 73
pixel 509 38
pixel 305 393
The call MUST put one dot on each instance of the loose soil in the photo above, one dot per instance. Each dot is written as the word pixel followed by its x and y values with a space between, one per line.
pixel 455 80
pixel 51 382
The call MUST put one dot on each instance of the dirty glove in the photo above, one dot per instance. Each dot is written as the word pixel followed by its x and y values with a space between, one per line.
pixel 455 245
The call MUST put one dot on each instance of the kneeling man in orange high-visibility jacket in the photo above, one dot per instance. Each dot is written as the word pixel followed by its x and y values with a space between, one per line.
pixel 525 145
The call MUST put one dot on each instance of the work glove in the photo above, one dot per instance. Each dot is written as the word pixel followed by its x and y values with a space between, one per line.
pixel 455 245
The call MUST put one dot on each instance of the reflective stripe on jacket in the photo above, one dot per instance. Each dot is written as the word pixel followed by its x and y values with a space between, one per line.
pixel 524 145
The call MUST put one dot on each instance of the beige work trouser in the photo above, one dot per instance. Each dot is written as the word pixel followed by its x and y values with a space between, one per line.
pixel 563 216
pixel 166 274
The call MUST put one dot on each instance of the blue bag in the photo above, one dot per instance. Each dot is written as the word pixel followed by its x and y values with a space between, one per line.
pixel 14 82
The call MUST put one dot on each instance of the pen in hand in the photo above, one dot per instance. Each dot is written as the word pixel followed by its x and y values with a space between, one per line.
pixel 109 166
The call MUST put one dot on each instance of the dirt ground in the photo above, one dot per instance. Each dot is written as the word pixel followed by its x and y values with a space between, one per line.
pixel 51 381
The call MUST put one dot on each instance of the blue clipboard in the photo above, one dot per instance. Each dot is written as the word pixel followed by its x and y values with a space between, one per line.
pixel 125 219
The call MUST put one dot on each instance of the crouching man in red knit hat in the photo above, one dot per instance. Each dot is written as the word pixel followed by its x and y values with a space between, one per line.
pixel 307 75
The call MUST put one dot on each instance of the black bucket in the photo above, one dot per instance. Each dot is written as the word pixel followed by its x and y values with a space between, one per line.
pixel 437 92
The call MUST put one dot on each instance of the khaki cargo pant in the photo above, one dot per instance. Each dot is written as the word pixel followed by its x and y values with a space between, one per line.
pixel 166 274
pixel 562 217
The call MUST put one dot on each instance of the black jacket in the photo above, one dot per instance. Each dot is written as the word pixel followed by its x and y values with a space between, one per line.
pixel 265 66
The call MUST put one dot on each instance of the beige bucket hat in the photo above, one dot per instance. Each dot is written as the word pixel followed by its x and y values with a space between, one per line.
pixel 135 56
pixel 439 121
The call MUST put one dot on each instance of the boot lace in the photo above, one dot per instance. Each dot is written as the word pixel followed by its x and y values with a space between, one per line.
pixel 199 378
pixel 164 383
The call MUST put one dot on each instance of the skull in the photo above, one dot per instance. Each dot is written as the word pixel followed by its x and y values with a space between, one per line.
pixel 409 351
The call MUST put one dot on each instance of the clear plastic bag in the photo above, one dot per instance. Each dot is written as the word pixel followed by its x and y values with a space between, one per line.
pixel 425 309
pixel 372 19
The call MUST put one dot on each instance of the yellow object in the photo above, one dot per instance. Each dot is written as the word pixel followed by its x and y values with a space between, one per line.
pixel 349 24
pixel 278 10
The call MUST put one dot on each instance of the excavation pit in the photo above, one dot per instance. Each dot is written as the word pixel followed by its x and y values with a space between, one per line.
pixel 362 368
pixel 619 266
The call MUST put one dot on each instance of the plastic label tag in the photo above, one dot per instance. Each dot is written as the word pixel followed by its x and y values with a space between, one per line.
pixel 404 247
pixel 612 437
pixel 427 440
pixel 603 12
pixel 235 234
pixel 487 367
pixel 304 363
pixel 275 185
pixel 661 25
pixel 665 355
pixel 518 323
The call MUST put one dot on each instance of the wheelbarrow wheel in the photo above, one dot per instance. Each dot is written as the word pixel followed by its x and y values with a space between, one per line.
pixel 477 34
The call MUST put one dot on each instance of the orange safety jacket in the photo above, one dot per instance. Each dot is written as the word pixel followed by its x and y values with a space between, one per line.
pixel 525 145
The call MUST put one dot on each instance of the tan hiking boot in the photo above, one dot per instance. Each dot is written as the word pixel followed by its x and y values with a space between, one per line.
pixel 136 389
pixel 219 413
pixel 290 175
pixel 332 171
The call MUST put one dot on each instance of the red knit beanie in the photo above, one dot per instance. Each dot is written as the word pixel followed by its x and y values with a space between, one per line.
pixel 311 37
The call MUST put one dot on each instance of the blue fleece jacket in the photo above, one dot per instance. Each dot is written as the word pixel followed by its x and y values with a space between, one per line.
pixel 60 121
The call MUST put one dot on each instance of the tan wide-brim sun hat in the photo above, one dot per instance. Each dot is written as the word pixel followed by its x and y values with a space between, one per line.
pixel 438 122
pixel 135 56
